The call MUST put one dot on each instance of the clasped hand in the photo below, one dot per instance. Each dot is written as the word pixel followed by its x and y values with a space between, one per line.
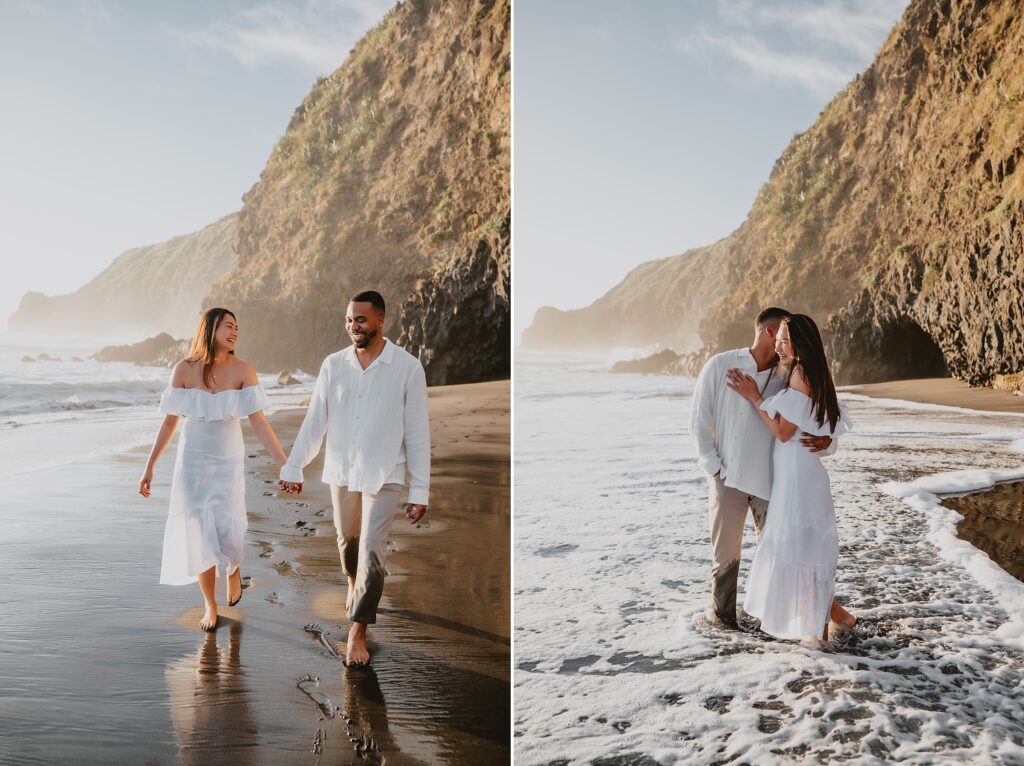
pixel 746 386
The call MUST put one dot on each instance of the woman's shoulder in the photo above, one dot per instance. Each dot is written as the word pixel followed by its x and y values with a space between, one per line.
pixel 798 382
pixel 245 370
pixel 184 373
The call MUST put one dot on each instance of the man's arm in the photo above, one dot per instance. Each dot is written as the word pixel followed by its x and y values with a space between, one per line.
pixel 311 434
pixel 826 446
pixel 417 437
pixel 702 418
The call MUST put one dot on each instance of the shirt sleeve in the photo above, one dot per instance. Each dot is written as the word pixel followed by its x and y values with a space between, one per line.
pixel 417 437
pixel 311 434
pixel 702 418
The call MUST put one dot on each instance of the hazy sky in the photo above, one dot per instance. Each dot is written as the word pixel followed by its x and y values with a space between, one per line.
pixel 126 123
pixel 643 129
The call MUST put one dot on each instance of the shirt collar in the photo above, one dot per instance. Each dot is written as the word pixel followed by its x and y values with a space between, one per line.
pixel 386 355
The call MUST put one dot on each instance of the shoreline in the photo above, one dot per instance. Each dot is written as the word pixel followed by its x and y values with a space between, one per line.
pixel 80 551
pixel 946 392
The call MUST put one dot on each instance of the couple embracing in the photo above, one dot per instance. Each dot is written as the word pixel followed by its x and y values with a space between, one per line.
pixel 761 419
pixel 370 399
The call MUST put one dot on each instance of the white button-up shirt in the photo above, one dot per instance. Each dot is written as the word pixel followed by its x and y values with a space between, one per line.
pixel 375 420
pixel 727 430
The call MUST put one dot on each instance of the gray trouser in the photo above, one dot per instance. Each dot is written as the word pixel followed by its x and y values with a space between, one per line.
pixel 727 514
pixel 362 521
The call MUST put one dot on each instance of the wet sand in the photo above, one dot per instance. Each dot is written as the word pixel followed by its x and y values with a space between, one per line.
pixel 944 391
pixel 993 519
pixel 994 522
pixel 100 664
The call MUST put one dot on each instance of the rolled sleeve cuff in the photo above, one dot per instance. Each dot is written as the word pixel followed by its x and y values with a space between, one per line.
pixel 291 473
pixel 418 496
pixel 710 464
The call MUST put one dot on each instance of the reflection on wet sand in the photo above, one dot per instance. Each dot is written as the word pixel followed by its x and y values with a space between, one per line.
pixel 994 522
pixel 209 701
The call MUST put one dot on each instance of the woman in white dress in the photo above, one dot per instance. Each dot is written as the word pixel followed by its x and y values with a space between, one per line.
pixel 206 522
pixel 791 584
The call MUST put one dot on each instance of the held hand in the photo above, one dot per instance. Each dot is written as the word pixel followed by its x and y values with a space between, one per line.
pixel 743 384
pixel 414 512
pixel 290 487
pixel 815 443
pixel 146 482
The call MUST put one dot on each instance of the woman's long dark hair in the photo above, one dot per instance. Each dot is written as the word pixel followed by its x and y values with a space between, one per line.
pixel 202 342
pixel 809 353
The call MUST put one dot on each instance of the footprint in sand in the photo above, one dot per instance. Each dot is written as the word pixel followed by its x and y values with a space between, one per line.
pixel 284 567
pixel 319 632
pixel 309 683
pixel 273 598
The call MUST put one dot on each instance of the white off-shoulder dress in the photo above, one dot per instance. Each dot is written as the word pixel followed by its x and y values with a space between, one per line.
pixel 792 577
pixel 206 521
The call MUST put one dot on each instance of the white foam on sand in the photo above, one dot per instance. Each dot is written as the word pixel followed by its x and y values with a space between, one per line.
pixel 925 495
pixel 614 660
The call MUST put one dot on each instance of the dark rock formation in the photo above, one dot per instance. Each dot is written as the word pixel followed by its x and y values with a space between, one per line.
pixel 157 288
pixel 897 219
pixel 458 320
pixel 657 363
pixel 159 351
pixel 394 166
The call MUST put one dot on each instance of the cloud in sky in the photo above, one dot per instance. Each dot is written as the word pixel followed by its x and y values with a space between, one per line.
pixel 316 34
pixel 819 46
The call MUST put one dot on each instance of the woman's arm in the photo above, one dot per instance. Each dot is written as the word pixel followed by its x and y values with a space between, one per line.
pixel 260 425
pixel 746 386
pixel 265 433
pixel 163 437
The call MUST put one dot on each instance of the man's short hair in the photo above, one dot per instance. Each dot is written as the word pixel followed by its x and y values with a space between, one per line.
pixel 771 314
pixel 370 296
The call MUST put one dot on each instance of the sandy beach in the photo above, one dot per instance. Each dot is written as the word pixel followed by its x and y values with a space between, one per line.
pixel 100 664
pixel 947 392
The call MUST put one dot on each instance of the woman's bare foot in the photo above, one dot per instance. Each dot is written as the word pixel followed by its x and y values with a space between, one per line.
pixel 840 616
pixel 356 652
pixel 235 588
pixel 209 621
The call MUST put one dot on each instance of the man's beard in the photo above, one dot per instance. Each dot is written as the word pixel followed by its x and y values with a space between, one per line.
pixel 368 338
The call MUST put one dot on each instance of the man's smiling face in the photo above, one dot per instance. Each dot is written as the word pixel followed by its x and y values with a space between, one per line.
pixel 363 323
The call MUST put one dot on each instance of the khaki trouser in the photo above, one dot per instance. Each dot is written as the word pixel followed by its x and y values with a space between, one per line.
pixel 362 521
pixel 727 514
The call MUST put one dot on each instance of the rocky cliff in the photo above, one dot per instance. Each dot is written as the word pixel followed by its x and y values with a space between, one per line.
pixel 393 175
pixel 147 290
pixel 896 219
pixel 659 303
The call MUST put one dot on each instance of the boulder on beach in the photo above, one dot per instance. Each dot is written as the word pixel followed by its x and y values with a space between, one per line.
pixel 28 358
pixel 160 351
pixel 285 378
pixel 654 364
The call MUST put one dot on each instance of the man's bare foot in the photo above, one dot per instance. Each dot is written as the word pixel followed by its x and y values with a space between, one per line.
pixel 235 587
pixel 209 621
pixel 356 652
pixel 350 595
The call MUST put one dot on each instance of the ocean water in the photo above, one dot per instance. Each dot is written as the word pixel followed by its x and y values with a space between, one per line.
pixel 614 662
pixel 55 413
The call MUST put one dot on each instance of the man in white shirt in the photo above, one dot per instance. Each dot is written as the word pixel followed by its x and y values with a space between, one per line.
pixel 371 401
pixel 734 448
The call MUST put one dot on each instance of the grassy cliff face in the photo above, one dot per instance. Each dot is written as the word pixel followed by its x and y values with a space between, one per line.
pixel 146 290
pixel 659 303
pixel 394 165
pixel 896 219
